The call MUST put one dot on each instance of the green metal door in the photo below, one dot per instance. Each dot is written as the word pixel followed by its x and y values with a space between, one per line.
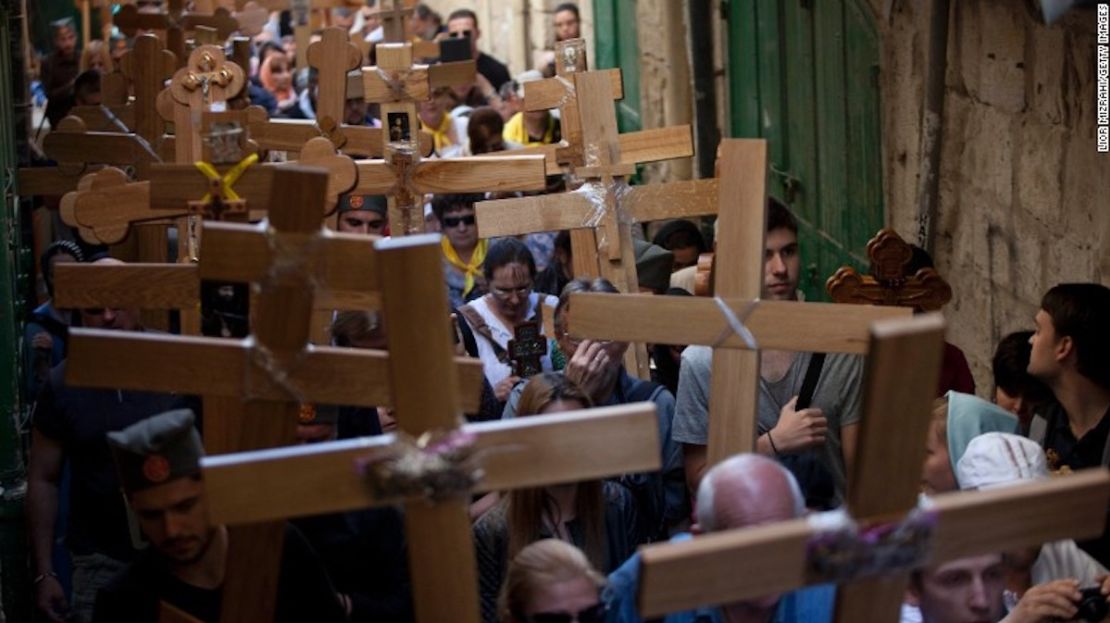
pixel 804 75
pixel 617 45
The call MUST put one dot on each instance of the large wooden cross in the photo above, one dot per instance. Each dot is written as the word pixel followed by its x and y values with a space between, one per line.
pixel 266 377
pixel 776 325
pixel 904 357
pixel 525 452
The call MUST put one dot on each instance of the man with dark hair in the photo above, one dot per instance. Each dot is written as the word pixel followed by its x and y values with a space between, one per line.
pixel 1014 388
pixel 86 88
pixel 59 70
pixel 69 425
pixel 363 214
pixel 567 22
pixel 1068 353
pixel 817 442
pixel 158 461
pixel 463 24
pixel 463 253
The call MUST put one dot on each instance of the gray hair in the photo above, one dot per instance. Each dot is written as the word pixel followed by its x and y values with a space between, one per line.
pixel 741 465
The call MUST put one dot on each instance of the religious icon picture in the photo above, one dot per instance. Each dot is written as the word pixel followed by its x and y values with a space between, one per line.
pixel 526 349
pixel 399 131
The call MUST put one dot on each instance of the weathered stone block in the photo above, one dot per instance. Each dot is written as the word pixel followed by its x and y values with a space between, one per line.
pixel 1045 77
pixel 1039 176
pixel 987 159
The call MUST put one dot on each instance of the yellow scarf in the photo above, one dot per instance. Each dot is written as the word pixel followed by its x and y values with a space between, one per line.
pixel 440 135
pixel 515 131
pixel 472 269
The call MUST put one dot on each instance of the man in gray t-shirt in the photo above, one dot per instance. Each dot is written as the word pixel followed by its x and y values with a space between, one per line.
pixel 816 442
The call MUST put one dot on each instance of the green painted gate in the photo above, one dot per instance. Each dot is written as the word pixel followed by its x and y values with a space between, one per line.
pixel 804 75
pixel 617 45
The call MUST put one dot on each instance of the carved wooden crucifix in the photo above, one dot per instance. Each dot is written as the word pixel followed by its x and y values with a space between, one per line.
pixel 525 452
pixel 888 283
pixel 733 565
pixel 266 377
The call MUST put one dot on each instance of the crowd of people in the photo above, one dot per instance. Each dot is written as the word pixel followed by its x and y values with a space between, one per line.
pixel 559 553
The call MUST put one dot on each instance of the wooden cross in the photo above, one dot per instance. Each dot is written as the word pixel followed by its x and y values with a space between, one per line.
pixel 177 21
pixel 744 563
pixel 776 325
pixel 526 349
pixel 888 284
pixel 269 375
pixel 600 214
pixel 524 452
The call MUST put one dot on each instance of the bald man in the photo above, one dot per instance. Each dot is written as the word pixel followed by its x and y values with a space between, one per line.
pixel 744 491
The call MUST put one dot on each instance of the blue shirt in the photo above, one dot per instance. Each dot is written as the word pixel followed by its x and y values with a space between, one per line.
pixel 813 604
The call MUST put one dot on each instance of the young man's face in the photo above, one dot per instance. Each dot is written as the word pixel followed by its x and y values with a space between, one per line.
pixel 361 222
pixel 465 27
pixel 460 227
pixel 963 591
pixel 781 265
pixel 174 517
pixel 65 41
pixel 1043 361
pixel 566 26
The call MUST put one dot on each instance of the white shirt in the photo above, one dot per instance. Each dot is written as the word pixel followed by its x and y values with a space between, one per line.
pixel 494 369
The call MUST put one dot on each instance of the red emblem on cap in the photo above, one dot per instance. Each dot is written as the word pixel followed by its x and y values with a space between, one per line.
pixel 356 202
pixel 307 414
pixel 156 468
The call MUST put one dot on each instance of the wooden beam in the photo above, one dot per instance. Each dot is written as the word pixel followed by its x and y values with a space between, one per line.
pixel 682 199
pixel 514 217
pixel 824 327
pixel 223 367
pixel 140 286
pixel 289 482
pixel 553 92
pixel 680 576
pixel 470 175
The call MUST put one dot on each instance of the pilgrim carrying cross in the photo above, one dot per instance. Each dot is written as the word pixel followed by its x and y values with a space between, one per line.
pixel 903 363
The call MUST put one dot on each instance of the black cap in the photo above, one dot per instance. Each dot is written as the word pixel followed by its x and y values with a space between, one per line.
pixel 157 450
pixel 371 203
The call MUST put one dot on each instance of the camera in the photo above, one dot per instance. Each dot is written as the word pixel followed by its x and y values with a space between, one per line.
pixel 1092 605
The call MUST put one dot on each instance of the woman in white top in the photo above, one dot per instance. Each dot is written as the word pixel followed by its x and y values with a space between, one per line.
pixel 487 324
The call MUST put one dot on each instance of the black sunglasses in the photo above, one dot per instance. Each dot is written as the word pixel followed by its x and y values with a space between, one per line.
pixel 461 34
pixel 453 221
pixel 593 614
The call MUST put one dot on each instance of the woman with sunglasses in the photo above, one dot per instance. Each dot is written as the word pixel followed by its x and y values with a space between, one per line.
pixel 486 325
pixel 551 581
pixel 598 517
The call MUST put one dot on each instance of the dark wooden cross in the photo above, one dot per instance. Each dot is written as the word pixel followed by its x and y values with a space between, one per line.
pixel 526 349
pixel 265 378
pixel 733 565
pixel 888 283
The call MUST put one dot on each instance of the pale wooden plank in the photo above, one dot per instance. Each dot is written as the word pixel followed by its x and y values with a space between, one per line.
pixel 655 144
pixel 222 367
pixel 554 92
pixel 682 199
pixel 145 286
pixel 477 174
pixel 375 177
pixel 333 56
pixel 524 452
pixel 513 217
pixel 735 382
pixel 817 327
pixel 679 576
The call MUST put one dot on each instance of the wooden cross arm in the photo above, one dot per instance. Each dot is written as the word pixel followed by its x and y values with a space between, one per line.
pixel 223 367
pixel 373 83
pixel 554 92
pixel 138 286
pixel 741 564
pixel 683 199
pixel 524 452
pixel 40 181
pixel 642 146
pixel 292 134
pixel 513 217
pixel 817 327
pixel 475 175
pixel 174 184
pixel 344 264
pixel 105 118
pixel 98 147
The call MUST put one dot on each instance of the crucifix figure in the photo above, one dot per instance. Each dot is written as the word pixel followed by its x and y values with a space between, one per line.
pixel 888 283
pixel 455 460
pixel 871 548
pixel 267 376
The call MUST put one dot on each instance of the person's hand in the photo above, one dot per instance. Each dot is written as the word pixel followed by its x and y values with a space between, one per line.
pixel 50 599
pixel 1048 601
pixel 505 387
pixel 42 340
pixel 1104 582
pixel 798 430
pixel 586 368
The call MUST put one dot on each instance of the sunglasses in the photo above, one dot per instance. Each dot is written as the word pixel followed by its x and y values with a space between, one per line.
pixel 454 221
pixel 462 34
pixel 593 614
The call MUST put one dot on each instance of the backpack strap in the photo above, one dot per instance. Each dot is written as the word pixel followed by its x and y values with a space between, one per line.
pixel 477 324
pixel 809 385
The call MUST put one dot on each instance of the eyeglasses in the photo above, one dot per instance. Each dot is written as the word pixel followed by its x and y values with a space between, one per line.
pixel 593 614
pixel 507 293
pixel 454 221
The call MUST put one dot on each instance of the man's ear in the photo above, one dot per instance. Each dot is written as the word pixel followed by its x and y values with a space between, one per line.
pixel 1065 348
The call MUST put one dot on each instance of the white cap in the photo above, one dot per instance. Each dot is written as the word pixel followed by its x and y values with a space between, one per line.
pixel 1000 459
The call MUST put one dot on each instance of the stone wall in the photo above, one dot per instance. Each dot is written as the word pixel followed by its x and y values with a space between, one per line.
pixel 1023 199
